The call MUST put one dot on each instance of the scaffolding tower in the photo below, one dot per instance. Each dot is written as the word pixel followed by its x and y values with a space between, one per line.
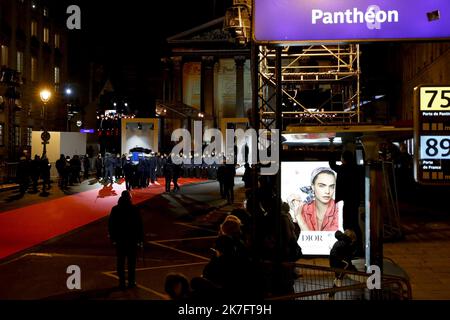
pixel 316 84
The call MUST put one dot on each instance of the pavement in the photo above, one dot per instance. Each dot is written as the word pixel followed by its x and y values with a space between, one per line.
pixel 180 229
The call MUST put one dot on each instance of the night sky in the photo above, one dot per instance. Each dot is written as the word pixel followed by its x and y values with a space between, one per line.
pixel 129 37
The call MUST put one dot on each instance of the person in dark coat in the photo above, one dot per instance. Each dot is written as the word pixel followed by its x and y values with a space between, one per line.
pixel 347 189
pixel 23 174
pixel 118 167
pixel 221 179
pixel 247 177
pixel 86 167
pixel 176 174
pixel 153 168
pixel 75 169
pixel 168 173
pixel 109 165
pixel 126 233
pixel 128 172
pixel 45 173
pixel 342 254
pixel 228 183
pixel 61 168
pixel 35 172
pixel 99 166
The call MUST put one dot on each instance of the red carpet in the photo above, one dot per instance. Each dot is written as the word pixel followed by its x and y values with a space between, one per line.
pixel 28 226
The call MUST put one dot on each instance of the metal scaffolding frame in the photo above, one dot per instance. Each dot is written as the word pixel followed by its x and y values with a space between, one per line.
pixel 329 74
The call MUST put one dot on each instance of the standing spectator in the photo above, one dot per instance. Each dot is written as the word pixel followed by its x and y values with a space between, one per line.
pixel 61 168
pixel 118 167
pixel 126 233
pixel 176 174
pixel 99 166
pixel 153 167
pixel 247 177
pixel 128 172
pixel 75 166
pixel 35 172
pixel 229 174
pixel 123 160
pixel 221 179
pixel 109 168
pixel 23 174
pixel 168 173
pixel 86 167
pixel 45 174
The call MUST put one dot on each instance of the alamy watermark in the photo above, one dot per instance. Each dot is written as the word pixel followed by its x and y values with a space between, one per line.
pixel 221 149
pixel 74 280
pixel 74 20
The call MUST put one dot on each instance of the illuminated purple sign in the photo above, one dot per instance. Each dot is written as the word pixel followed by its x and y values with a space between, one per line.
pixel 350 20
pixel 87 130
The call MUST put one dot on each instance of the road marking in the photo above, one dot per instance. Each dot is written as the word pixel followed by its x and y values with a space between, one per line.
pixel 179 250
pixel 195 227
pixel 184 239
pixel 160 267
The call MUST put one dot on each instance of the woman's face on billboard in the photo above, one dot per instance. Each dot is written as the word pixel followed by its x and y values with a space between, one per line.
pixel 324 187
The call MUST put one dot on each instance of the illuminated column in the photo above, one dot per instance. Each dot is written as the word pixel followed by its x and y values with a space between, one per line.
pixel 177 93
pixel 240 62
pixel 207 85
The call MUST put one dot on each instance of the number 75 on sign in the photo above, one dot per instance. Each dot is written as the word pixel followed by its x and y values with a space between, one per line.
pixel 435 98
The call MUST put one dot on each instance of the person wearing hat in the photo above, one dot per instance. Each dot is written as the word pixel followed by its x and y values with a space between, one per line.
pixel 319 211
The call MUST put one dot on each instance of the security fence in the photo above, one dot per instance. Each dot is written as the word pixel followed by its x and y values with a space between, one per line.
pixel 323 283
pixel 8 172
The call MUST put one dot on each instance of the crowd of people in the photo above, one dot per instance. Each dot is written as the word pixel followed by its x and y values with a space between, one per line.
pixel 30 172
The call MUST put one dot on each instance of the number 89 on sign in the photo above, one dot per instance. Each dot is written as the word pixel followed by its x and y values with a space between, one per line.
pixel 435 147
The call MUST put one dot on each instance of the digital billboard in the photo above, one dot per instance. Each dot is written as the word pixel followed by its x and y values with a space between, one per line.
pixel 350 20
pixel 309 187
pixel 432 134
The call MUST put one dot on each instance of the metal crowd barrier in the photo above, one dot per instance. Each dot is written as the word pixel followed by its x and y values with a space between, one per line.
pixel 8 172
pixel 318 283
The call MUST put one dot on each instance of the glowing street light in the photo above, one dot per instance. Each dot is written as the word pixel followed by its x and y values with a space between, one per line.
pixel 45 96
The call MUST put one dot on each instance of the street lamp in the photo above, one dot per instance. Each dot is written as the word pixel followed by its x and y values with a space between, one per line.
pixel 45 136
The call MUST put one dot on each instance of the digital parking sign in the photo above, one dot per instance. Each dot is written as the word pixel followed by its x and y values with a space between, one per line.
pixel 350 20
pixel 432 134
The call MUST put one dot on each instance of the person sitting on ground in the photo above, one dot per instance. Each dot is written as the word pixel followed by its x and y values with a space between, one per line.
pixel 177 286
pixel 342 253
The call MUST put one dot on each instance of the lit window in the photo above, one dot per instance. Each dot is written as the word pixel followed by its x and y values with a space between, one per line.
pixel 17 135
pixel 5 56
pixel 1 133
pixel 57 75
pixel 20 61
pixel 34 28
pixel 29 136
pixel 45 12
pixel 33 68
pixel 57 41
pixel 46 35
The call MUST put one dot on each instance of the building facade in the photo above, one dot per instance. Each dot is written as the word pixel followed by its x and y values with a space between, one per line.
pixel 33 40
pixel 206 78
